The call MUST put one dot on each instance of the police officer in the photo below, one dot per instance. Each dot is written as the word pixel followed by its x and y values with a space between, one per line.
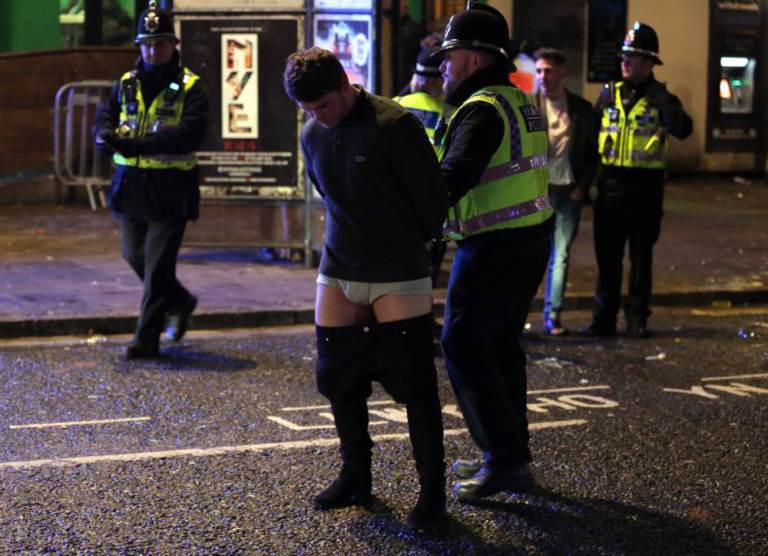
pixel 493 158
pixel 426 99
pixel 638 115
pixel 152 122
pixel 426 102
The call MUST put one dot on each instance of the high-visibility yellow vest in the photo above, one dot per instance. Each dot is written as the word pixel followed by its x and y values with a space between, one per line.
pixel 513 190
pixel 634 140
pixel 426 108
pixel 164 112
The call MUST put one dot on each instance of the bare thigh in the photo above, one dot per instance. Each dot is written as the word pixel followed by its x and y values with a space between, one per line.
pixel 333 309
pixel 393 307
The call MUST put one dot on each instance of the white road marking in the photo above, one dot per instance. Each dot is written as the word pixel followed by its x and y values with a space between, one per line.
pixel 326 406
pixel 63 424
pixel 246 448
pixel 391 402
pixel 295 427
pixel 758 375
pixel 571 389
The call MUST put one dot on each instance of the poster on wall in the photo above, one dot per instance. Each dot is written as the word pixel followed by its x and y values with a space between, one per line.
pixel 607 27
pixel 239 86
pixel 253 134
pixel 349 37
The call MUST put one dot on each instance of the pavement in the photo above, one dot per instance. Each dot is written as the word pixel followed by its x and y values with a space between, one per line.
pixel 61 272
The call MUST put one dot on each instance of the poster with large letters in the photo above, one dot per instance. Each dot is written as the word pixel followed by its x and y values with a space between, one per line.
pixel 252 148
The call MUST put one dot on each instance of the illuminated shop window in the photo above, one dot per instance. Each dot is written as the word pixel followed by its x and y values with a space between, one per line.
pixel 737 83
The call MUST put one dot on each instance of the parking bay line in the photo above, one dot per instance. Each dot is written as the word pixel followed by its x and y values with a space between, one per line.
pixel 392 402
pixel 63 424
pixel 224 450
pixel 734 377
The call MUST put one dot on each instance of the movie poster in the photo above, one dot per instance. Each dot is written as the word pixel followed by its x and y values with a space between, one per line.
pixel 252 147
pixel 239 86
pixel 349 37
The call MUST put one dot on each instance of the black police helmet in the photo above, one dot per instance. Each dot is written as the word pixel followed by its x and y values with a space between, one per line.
pixel 428 62
pixel 479 27
pixel 155 24
pixel 642 40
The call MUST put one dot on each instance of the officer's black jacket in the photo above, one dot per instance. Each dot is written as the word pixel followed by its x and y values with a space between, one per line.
pixel 475 133
pixel 383 191
pixel 641 186
pixel 157 195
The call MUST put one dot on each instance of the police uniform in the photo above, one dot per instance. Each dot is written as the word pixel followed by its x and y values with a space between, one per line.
pixel 635 122
pixel 152 122
pixel 427 108
pixel 493 156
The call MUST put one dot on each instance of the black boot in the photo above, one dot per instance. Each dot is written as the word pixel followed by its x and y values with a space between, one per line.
pixel 411 378
pixel 425 426
pixel 353 486
pixel 343 360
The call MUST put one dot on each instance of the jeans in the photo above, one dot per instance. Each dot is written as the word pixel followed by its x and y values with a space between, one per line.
pixel 567 216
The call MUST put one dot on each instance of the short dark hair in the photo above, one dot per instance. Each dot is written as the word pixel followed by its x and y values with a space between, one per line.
pixel 551 55
pixel 310 74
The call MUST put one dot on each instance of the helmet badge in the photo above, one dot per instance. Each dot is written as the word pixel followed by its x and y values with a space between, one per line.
pixel 630 38
pixel 152 20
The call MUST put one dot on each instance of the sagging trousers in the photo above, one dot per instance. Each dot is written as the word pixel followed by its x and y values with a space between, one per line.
pixel 398 355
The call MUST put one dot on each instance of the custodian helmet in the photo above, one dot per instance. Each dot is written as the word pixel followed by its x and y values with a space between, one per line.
pixel 155 24
pixel 642 40
pixel 428 64
pixel 479 27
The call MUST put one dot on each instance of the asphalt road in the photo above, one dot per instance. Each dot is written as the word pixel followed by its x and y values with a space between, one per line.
pixel 655 446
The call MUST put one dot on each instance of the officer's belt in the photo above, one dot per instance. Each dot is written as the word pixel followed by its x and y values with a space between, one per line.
pixel 498 216
pixel 517 166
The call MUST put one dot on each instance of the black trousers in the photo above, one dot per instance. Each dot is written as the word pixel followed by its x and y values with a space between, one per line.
pixel 614 228
pixel 399 356
pixel 493 281
pixel 151 248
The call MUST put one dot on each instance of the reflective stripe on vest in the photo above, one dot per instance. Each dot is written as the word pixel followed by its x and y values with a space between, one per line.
pixel 513 190
pixel 634 140
pixel 163 113
pixel 426 108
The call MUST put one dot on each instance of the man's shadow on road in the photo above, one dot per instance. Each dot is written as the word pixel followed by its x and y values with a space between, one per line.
pixel 552 523
pixel 182 357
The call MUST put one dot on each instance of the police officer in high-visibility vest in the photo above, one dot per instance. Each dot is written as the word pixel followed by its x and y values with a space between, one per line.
pixel 152 122
pixel 638 115
pixel 493 155
pixel 426 101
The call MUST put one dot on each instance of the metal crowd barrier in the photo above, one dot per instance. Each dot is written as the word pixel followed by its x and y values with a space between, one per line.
pixel 76 161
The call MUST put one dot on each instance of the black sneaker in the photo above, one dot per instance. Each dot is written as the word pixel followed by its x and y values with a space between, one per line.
pixel 638 331
pixel 142 350
pixel 487 482
pixel 178 321
pixel 595 330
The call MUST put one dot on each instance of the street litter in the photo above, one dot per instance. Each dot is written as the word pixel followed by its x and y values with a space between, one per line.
pixel 95 339
pixel 746 334
pixel 657 357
